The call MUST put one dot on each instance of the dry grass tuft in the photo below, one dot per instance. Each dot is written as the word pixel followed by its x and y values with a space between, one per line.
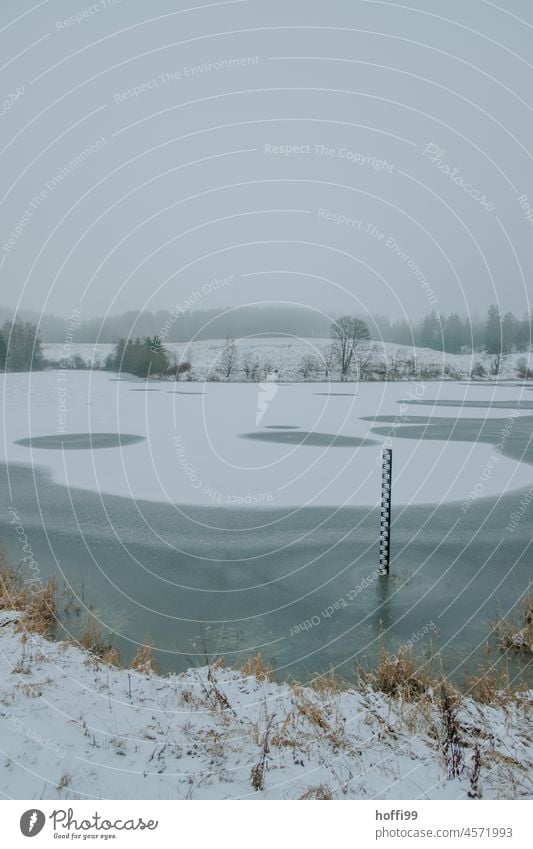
pixel 329 684
pixel 145 660
pixel 282 742
pixel 257 774
pixel 313 714
pixel 37 603
pixel 112 657
pixel 399 675
pixel 483 689
pixel 514 638
pixel 452 743
pixel 283 738
pixel 39 607
pixel 93 640
pixel 259 668
pixel 322 792
pixel 317 719
pixel 475 773
pixel 490 686
pixel 64 781
pixel 40 615
pixel 14 594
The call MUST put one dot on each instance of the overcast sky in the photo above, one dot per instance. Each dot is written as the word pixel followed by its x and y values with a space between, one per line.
pixel 352 155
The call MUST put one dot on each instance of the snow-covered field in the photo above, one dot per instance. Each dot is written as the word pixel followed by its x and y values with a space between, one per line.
pixel 75 728
pixel 287 354
pixel 304 444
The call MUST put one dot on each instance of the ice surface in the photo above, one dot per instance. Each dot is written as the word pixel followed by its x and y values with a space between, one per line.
pixel 316 444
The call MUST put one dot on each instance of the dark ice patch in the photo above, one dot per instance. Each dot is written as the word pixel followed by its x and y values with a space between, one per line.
pixel 316 440
pixel 282 427
pixel 80 441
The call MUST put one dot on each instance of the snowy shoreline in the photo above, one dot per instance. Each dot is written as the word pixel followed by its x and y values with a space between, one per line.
pixel 82 729
pixel 302 360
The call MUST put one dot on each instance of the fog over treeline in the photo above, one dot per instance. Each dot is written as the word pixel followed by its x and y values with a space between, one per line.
pixel 493 330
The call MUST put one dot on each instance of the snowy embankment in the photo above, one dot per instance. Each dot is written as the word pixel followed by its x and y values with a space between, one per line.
pixel 76 728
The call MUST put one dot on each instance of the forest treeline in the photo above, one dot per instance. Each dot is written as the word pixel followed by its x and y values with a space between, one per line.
pixel 196 325
pixel 494 333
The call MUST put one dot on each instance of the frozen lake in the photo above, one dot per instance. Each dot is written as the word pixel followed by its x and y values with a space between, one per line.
pixel 282 445
pixel 241 511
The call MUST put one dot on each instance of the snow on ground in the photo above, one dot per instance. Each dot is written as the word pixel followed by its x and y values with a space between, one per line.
pixel 255 444
pixel 76 729
pixel 287 353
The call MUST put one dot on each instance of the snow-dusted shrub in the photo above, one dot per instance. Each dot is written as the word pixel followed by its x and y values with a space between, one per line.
pixel 522 369
pixel 478 371
pixel 310 366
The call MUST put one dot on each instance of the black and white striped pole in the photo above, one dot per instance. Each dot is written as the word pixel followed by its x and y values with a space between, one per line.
pixel 384 533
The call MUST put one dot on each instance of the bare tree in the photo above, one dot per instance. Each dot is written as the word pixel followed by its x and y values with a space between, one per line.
pixel 398 365
pixel 328 357
pixel 229 357
pixel 364 359
pixel 495 364
pixel 179 365
pixel 347 334
pixel 184 367
pixel 310 365
pixel 251 367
